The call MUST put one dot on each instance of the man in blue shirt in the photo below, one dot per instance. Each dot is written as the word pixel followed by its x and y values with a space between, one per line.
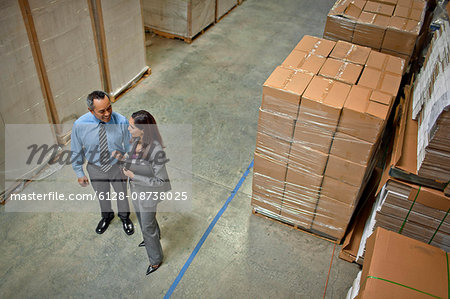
pixel 95 135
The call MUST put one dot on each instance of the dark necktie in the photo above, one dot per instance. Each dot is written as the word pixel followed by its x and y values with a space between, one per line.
pixel 104 152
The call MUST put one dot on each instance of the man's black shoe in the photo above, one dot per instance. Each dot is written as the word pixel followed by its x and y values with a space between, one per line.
pixel 103 225
pixel 128 226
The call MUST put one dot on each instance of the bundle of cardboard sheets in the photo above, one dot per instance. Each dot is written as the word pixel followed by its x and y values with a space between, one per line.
pixel 390 26
pixel 322 114
pixel 400 267
pixel 431 105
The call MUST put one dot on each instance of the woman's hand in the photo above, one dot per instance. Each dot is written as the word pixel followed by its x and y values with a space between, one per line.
pixel 128 173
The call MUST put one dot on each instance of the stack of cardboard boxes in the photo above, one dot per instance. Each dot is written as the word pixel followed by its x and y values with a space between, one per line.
pixel 322 113
pixel 184 19
pixel 390 26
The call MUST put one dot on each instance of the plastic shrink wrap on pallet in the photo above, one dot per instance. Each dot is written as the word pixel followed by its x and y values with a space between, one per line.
pixel 321 117
pixel 395 27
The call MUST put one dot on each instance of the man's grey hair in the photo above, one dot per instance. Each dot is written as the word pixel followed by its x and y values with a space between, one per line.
pixel 95 95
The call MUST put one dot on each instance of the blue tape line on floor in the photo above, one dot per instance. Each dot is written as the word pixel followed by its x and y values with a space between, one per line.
pixel 205 235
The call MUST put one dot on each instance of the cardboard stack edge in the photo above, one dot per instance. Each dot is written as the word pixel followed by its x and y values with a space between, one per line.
pixel 431 108
pixel 321 117
pixel 398 205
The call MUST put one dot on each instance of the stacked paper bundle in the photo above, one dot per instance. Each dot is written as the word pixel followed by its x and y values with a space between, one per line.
pixel 431 104
pixel 322 114
pixel 416 212
pixel 390 26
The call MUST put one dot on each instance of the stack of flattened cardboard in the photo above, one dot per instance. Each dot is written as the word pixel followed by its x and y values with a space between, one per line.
pixel 410 209
pixel 400 267
pixel 390 26
pixel 431 105
pixel 322 114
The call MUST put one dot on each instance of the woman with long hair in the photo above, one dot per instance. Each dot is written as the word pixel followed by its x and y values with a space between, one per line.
pixel 148 178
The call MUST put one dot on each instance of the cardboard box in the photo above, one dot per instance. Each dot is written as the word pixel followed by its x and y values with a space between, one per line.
pixel 304 61
pixel 275 125
pixel 405 57
pixel 315 45
pixel 350 52
pixel 339 28
pixel 383 81
pixel 409 13
pixel 283 89
pixel 352 149
pixel 301 193
pixel 271 207
pixel 345 171
pixel 307 159
pixel 269 167
pixel 341 70
pixel 333 189
pixel 272 147
pixel 386 63
pixel 396 266
pixel 370 29
pixel 329 208
pixel 417 4
pixel 329 225
pixel 308 181
pixel 298 215
pixel 361 117
pixel 382 98
pixel 401 35
pixel 268 188
pixel 322 102
pixel 379 8
pixel 310 135
pixel 391 2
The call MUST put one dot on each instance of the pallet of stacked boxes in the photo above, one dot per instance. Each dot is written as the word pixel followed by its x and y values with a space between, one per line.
pixel 179 19
pixel 322 114
pixel 390 26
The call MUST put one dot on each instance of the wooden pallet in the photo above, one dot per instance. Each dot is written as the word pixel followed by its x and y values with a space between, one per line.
pixel 147 73
pixel 295 226
pixel 188 40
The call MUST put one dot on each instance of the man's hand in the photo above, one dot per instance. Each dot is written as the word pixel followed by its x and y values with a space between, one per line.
pixel 83 181
pixel 118 155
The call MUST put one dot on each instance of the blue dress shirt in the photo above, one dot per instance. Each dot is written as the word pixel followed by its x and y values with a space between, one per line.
pixel 85 139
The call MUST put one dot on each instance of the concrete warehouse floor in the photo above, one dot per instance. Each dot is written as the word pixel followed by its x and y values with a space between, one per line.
pixel 215 84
